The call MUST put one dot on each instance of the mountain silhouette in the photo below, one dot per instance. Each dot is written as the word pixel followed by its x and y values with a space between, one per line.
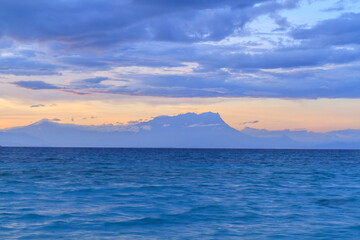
pixel 190 130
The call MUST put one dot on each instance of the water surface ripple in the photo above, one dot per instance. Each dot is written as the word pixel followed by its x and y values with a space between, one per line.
pixel 65 193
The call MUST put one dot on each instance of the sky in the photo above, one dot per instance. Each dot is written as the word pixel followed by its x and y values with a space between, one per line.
pixel 274 64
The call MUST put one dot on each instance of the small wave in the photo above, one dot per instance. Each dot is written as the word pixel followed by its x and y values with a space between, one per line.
pixel 7 174
pixel 37 237
pixel 128 195
pixel 79 191
pixel 333 202
pixel 355 227
pixel 3 229
pixel 61 225
pixel 205 208
pixel 33 216
pixel 26 209
pixel 7 214
pixel 136 222
pixel 8 193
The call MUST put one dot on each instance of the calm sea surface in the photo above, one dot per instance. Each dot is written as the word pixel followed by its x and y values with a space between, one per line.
pixel 64 193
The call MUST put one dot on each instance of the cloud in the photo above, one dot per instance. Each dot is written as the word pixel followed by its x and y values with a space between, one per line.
pixel 179 48
pixel 42 105
pixel 290 57
pixel 104 23
pixel 146 127
pixel 95 80
pixel 343 30
pixel 37 105
pixel 133 122
pixel 35 85
pixel 88 83
pixel 203 125
pixel 330 81
pixel 23 65
pixel 249 122
pixel 6 43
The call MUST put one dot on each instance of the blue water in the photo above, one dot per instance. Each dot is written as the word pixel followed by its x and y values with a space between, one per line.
pixel 55 193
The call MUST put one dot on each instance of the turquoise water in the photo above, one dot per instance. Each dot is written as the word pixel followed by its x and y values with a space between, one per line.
pixel 55 193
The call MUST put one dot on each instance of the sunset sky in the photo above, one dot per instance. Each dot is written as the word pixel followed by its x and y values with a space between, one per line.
pixel 274 64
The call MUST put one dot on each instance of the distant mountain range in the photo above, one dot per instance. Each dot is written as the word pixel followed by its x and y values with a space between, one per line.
pixel 190 130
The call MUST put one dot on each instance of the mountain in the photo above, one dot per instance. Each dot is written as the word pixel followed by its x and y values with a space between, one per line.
pixel 190 130
pixel 342 139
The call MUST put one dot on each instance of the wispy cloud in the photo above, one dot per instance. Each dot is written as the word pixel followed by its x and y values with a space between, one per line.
pixel 35 85
pixel 249 122
pixel 37 105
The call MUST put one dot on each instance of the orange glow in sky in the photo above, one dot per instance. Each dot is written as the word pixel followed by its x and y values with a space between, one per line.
pixel 273 114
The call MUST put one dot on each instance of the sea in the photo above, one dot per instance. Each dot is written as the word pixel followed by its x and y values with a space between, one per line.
pixel 103 193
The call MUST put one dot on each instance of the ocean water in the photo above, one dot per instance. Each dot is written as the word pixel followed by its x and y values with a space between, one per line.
pixel 64 193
